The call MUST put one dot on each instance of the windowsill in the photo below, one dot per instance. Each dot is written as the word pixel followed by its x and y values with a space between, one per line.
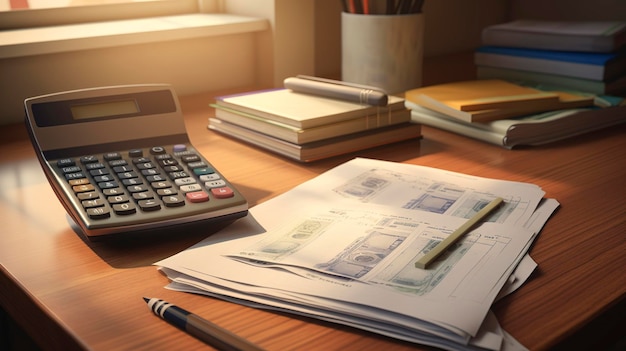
pixel 47 40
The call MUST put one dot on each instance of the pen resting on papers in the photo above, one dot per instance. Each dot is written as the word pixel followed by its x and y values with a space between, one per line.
pixel 336 89
pixel 457 234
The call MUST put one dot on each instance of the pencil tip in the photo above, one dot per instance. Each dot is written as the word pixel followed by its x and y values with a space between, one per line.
pixel 146 299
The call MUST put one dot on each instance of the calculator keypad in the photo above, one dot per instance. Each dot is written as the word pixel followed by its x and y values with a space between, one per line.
pixel 142 181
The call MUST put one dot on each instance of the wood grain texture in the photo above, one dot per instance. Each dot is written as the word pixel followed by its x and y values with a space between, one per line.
pixel 72 294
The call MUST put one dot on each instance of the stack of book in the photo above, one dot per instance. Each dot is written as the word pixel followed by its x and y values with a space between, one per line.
pixel 581 56
pixel 308 127
pixel 509 114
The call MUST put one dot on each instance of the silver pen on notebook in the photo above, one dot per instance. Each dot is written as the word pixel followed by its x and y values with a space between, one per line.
pixel 337 89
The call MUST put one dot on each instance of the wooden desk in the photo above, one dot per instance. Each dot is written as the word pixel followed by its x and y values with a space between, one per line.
pixel 71 294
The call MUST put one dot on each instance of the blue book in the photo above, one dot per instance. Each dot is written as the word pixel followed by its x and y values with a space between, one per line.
pixel 587 65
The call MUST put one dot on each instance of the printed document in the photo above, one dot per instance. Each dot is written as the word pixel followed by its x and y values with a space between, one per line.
pixel 342 247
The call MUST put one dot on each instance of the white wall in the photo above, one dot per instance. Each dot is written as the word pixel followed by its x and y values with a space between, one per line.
pixel 191 66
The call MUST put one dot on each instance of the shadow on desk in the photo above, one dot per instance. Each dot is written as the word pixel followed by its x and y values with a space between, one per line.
pixel 605 333
pixel 145 249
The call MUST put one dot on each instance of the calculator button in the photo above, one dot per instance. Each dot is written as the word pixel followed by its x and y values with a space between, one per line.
pixel 197 196
pixel 167 162
pixel 65 162
pixel 137 188
pixel 88 159
pixel 118 163
pixel 125 208
pixel 98 213
pixel 198 164
pixel 200 171
pixel 175 168
pixel 180 147
pixel 157 150
pixel 135 153
pixel 72 169
pixel 83 188
pixel 88 195
pixel 145 165
pixel 215 184
pixel 118 199
pixel 108 185
pixel 122 168
pixel 132 181
pixel 96 165
pixel 184 181
pixel 112 191
pixel 190 158
pixel 161 185
pixel 209 177
pixel 163 156
pixel 141 160
pixel 103 178
pixel 112 156
pixel 78 175
pixel 93 203
pixel 190 188
pixel 222 193
pixel 127 175
pixel 155 178
pixel 149 205
pixel 79 181
pixel 143 195
pixel 148 172
pixel 166 192
pixel 97 172
pixel 176 175
pixel 173 200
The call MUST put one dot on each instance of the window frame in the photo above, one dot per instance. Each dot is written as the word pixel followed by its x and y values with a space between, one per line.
pixel 34 18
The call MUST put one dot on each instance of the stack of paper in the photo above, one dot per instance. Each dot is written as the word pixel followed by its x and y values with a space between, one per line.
pixel 342 248
pixel 508 114
pixel 308 127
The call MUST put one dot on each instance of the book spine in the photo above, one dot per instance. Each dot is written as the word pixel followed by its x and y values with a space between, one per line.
pixel 571 69
pixel 550 80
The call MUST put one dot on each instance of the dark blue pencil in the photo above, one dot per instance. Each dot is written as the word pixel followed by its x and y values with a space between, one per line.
pixel 202 329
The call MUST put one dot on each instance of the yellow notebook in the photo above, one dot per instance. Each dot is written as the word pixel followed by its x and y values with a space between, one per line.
pixel 491 99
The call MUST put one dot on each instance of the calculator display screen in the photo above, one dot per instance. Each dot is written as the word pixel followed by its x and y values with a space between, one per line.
pixel 105 109
pixel 81 110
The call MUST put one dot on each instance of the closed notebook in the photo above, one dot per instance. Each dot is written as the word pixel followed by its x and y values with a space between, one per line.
pixel 301 136
pixel 554 81
pixel 475 95
pixel 534 129
pixel 324 148
pixel 591 36
pixel 586 65
pixel 302 110
pixel 491 99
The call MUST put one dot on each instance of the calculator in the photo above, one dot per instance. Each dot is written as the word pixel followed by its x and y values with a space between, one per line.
pixel 120 161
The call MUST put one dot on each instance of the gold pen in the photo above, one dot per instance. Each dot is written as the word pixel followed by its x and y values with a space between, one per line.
pixel 457 234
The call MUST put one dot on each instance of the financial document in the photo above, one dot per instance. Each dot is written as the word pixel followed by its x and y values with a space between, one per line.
pixel 342 247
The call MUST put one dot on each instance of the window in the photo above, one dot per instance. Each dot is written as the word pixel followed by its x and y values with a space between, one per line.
pixel 16 14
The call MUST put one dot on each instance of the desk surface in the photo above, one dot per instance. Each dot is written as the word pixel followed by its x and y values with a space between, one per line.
pixel 69 293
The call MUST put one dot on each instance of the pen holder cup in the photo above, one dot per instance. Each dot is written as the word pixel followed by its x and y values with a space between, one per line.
pixel 384 51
